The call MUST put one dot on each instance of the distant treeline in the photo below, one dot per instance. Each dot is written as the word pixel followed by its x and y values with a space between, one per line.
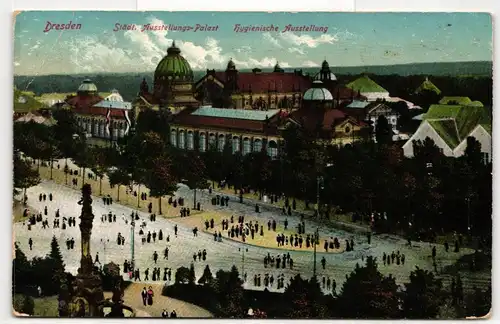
pixel 477 86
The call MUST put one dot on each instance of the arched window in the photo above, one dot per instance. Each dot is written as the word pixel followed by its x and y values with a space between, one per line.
pixel 246 146
pixel 211 141
pixel 190 142
pixel 173 137
pixel 221 143
pixel 181 139
pixel 257 145
pixel 236 144
pixel 203 142
pixel 272 149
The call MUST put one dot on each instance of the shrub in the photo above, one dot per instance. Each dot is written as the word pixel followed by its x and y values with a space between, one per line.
pixel 23 304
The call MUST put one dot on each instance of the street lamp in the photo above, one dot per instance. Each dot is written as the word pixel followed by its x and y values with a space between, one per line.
pixel 316 239
pixel 132 241
pixel 243 250
pixel 320 186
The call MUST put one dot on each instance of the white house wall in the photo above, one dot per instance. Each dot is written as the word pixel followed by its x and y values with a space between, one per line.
pixel 373 96
pixel 482 136
pixel 425 130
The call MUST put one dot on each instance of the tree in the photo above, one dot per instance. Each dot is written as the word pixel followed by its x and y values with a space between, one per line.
pixel 472 152
pixel 21 272
pixel 207 276
pixel 24 176
pixel 367 294
pixel 383 131
pixel 305 299
pixel 478 303
pixel 160 179
pixel 57 261
pixel 182 275
pixel 83 156
pixel 423 295
pixel 229 291
pixel 193 172
pixel 119 177
pixel 192 275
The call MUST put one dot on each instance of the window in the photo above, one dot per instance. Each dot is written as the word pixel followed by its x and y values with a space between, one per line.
pixel 173 137
pixel 203 142
pixel 272 149
pixel 211 141
pixel 257 145
pixel 181 139
pixel 246 146
pixel 190 143
pixel 236 144
pixel 347 130
pixel 221 143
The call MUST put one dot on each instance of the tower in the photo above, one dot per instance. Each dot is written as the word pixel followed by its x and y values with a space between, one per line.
pixel 231 76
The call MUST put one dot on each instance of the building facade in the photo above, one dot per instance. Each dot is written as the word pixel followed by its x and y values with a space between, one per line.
pixel 449 126
pixel 106 118
pixel 173 85
pixel 254 90
pixel 218 128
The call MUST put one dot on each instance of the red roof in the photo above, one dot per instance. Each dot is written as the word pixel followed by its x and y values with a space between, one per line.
pixel 79 102
pixel 84 105
pixel 264 81
pixel 311 118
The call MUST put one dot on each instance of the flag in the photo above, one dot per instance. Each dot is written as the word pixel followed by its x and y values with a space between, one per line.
pixel 108 120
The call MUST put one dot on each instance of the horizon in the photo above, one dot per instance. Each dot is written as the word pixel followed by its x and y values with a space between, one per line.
pixel 265 69
pixel 93 42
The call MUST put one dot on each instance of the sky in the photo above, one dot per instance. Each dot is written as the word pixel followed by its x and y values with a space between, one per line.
pixel 343 39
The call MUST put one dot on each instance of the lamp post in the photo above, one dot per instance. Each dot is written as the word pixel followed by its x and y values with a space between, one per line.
pixel 316 238
pixel 320 185
pixel 132 241
pixel 468 213
pixel 243 250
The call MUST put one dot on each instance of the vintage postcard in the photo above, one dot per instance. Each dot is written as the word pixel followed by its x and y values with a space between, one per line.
pixel 252 165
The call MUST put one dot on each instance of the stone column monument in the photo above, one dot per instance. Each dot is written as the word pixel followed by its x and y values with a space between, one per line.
pixel 88 291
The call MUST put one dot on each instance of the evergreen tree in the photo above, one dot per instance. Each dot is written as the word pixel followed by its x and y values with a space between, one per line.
pixel 229 291
pixel 56 261
pixel 21 271
pixel 182 275
pixel 423 295
pixel 192 275
pixel 368 294
pixel 207 276
pixel 304 299
pixel 383 131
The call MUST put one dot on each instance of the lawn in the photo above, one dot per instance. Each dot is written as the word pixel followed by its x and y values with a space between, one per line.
pixel 46 307
pixel 268 240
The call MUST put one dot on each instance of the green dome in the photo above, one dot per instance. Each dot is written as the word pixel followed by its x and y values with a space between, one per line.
pixel 174 66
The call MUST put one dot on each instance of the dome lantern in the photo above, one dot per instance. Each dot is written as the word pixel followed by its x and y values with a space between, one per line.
pixel 231 65
pixel 87 86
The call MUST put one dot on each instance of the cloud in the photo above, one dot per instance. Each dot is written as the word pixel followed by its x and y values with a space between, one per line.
pixel 268 37
pixel 310 64
pixel 296 50
pixel 308 40
pixel 139 52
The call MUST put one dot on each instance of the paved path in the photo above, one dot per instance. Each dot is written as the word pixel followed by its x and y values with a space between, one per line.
pixel 132 298
pixel 220 255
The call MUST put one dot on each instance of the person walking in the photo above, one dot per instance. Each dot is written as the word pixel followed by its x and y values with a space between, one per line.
pixel 150 296
pixel 144 295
